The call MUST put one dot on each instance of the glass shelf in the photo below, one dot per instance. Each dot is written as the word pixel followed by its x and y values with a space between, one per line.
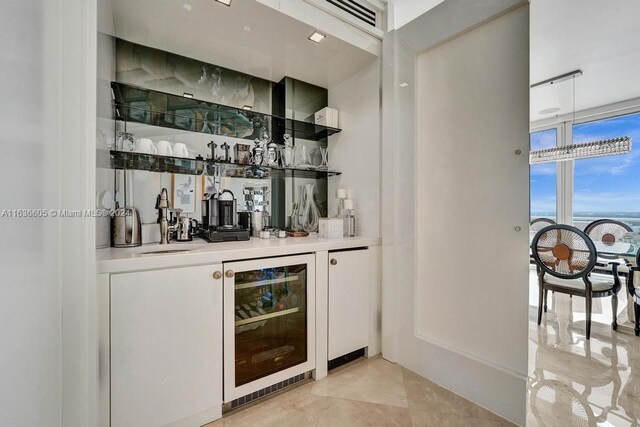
pixel 235 170
pixel 155 163
pixel 180 165
pixel 263 317
pixel 178 112
pixel 303 173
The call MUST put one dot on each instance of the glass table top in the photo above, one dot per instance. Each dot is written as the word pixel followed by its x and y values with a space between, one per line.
pixel 624 249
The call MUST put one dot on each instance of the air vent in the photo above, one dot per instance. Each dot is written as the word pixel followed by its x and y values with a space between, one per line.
pixel 265 392
pixel 357 10
pixel 343 360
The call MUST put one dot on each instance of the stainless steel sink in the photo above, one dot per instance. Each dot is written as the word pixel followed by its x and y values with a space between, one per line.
pixel 166 251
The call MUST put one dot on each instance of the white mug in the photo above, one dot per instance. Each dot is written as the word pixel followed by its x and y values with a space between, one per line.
pixel 145 145
pixel 180 150
pixel 164 148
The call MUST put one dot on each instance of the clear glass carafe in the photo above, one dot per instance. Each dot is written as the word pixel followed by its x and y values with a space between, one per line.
pixel 296 211
pixel 310 212
pixel 324 165
pixel 287 156
pixel 302 157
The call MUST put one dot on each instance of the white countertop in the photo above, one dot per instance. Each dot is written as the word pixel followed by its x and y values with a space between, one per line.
pixel 120 260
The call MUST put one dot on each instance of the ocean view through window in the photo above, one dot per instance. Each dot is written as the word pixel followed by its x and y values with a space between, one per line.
pixel 609 186
pixel 542 177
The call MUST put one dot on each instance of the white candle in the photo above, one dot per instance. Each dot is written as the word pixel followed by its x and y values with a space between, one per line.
pixel 348 204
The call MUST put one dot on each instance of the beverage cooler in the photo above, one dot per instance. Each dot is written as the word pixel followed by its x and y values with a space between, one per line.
pixel 269 325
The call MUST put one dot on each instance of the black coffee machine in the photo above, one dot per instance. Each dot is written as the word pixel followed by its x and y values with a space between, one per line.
pixel 220 219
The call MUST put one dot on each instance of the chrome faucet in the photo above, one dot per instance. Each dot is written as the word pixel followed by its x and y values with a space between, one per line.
pixel 163 206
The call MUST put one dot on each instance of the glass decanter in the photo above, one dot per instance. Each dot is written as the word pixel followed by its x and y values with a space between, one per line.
pixel 310 212
pixel 302 155
pixel 258 153
pixel 296 211
pixel 324 165
pixel 287 152
pixel 272 154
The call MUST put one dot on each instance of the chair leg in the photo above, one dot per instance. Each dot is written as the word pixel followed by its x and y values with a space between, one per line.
pixel 614 308
pixel 636 309
pixel 546 294
pixel 588 310
pixel 540 303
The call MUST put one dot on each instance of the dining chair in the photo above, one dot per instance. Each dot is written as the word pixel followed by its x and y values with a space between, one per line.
pixel 607 232
pixel 635 295
pixel 565 257
pixel 534 226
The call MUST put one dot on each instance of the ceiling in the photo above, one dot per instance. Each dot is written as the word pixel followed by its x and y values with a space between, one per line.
pixel 406 11
pixel 601 38
pixel 248 37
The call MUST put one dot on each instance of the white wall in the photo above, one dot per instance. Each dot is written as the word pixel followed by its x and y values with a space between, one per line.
pixel 450 18
pixel 30 303
pixel 405 11
pixel 47 363
pixel 458 191
pixel 356 150
pixel 470 104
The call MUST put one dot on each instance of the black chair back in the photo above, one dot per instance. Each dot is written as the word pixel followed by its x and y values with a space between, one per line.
pixel 607 231
pixel 564 251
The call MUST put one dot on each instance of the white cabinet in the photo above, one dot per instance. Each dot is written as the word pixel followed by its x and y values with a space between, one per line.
pixel 349 301
pixel 166 347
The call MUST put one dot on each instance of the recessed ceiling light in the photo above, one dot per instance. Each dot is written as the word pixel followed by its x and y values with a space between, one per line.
pixel 225 2
pixel 187 7
pixel 404 84
pixel 187 95
pixel 247 107
pixel 246 28
pixel 317 37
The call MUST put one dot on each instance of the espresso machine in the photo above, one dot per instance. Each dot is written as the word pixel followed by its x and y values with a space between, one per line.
pixel 220 219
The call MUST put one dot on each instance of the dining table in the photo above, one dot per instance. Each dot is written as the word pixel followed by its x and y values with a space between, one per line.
pixel 624 254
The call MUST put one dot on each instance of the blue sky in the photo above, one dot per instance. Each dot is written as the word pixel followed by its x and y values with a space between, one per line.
pixel 604 184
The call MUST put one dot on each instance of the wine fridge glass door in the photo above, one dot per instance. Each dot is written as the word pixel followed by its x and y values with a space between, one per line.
pixel 269 318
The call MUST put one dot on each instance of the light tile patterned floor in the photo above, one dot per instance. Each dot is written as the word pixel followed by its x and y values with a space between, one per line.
pixel 370 392
pixel 573 381
pixel 579 382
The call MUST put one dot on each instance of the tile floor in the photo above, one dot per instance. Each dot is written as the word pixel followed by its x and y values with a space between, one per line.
pixel 572 382
pixel 365 392
pixel 575 382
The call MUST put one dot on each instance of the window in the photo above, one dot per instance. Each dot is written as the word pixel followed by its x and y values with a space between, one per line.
pixel 542 180
pixel 607 187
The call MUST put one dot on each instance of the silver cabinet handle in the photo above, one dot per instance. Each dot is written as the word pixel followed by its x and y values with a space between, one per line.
pixel 229 273
pixel 334 261
pixel 217 275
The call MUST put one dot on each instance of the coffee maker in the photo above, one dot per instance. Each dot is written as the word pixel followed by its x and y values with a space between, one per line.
pixel 220 218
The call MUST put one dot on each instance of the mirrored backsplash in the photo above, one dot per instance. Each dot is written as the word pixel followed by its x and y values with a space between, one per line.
pixel 167 72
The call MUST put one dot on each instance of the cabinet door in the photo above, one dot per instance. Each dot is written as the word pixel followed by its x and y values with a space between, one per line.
pixel 166 347
pixel 269 322
pixel 348 302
